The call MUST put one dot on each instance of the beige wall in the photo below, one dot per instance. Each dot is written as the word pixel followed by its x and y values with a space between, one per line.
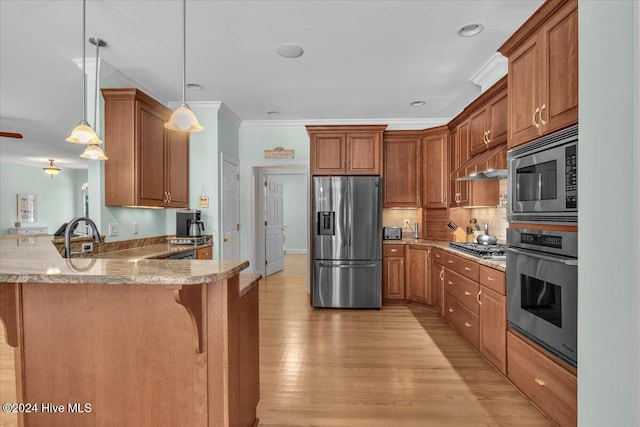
pixel 396 217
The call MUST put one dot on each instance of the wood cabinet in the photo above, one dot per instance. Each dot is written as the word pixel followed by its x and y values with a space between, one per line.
pixel 543 72
pixel 547 382
pixel 493 317
pixel 346 150
pixel 393 283
pixel 204 253
pixel 459 154
pixel 148 164
pixel 418 274
pixel 435 171
pixel 488 124
pixel 437 281
pixel 402 169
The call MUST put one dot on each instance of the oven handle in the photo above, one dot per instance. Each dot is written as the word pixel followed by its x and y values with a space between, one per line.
pixel 567 261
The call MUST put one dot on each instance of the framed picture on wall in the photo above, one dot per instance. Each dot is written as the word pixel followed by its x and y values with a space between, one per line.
pixel 27 207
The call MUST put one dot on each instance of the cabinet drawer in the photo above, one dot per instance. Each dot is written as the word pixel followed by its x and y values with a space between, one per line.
pixel 463 320
pixel 438 256
pixel 493 279
pixel 204 253
pixel 393 250
pixel 553 388
pixel 463 266
pixel 463 289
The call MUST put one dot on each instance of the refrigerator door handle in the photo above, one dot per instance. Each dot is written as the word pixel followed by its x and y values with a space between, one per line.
pixel 347 266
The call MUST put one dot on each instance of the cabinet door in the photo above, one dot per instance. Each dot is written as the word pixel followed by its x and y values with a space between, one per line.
pixel 459 190
pixel 418 274
pixel 151 182
pixel 493 327
pixel 478 131
pixel 497 113
pixel 393 278
pixel 523 86
pixel 328 156
pixel 435 172
pixel 363 154
pixel 437 287
pixel 401 172
pixel 559 99
pixel 177 168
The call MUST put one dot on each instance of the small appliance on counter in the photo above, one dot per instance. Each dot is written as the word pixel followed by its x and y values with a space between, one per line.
pixel 392 233
pixel 184 220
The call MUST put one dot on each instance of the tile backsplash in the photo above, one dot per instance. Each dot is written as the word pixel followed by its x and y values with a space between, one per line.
pixel 495 217
pixel 396 217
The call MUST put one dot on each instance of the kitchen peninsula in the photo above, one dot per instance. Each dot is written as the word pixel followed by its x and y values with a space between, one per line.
pixel 129 341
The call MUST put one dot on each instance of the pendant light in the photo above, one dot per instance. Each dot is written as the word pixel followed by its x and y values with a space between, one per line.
pixel 83 133
pixel 183 118
pixel 52 169
pixel 94 152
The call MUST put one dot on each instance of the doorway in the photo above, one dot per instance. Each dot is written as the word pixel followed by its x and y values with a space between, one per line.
pixel 230 208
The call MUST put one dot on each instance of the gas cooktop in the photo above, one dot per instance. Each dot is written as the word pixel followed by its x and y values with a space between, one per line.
pixel 496 252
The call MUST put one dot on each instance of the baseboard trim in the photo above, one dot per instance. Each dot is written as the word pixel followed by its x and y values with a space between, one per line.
pixel 295 251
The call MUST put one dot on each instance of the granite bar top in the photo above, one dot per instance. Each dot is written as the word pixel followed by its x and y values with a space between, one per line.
pixel 248 282
pixel 498 265
pixel 36 260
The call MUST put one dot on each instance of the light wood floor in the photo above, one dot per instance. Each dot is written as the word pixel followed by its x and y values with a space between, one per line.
pixel 398 366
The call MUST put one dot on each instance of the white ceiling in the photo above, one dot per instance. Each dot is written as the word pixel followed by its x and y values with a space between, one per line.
pixel 363 60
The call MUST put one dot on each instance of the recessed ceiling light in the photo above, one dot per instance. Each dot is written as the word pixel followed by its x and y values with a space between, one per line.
pixel 417 103
pixel 273 113
pixel 194 86
pixel 470 30
pixel 289 50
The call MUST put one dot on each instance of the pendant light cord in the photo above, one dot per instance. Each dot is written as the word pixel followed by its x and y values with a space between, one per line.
pixel 184 51
pixel 84 78
pixel 95 106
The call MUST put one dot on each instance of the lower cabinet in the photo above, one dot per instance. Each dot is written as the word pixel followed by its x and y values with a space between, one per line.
pixel 393 273
pixel 493 317
pixel 418 274
pixel 548 384
pixel 204 253
pixel 461 318
pixel 437 280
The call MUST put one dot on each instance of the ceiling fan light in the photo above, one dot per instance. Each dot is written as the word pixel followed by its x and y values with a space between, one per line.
pixel 83 134
pixel 93 152
pixel 52 169
pixel 183 120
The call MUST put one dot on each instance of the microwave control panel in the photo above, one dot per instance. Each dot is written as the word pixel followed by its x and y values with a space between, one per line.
pixel 571 177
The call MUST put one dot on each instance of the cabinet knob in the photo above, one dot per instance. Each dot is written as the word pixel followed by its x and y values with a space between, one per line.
pixel 467 293
pixel 450 282
pixel 539 382
pixel 451 310
pixel 394 250
pixel 450 261
pixel 467 324
pixel 490 278
pixel 467 269
pixel 226 239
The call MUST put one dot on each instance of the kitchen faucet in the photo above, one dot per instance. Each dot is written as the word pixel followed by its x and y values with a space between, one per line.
pixel 67 234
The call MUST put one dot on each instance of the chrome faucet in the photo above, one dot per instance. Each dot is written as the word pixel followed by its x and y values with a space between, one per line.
pixel 67 234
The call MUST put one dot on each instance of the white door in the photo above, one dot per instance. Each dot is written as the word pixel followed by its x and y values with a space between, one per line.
pixel 230 209
pixel 274 227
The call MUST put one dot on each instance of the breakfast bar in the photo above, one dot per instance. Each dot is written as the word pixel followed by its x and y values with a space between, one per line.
pixel 101 342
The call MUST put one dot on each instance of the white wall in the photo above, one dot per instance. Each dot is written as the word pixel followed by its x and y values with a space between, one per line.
pixel 607 296
pixel 295 188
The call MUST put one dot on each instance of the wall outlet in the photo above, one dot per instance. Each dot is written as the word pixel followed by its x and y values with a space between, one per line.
pixel 113 229
pixel 407 223
pixel 136 227
pixel 87 247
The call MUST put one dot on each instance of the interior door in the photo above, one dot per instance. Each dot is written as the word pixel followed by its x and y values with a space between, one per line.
pixel 230 209
pixel 274 226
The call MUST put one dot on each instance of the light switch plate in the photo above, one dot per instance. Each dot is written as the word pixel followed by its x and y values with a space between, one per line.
pixel 113 229
pixel 136 227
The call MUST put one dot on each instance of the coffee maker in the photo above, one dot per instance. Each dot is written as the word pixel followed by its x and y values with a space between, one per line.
pixel 184 221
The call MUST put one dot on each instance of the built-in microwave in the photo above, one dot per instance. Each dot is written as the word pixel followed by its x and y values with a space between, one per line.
pixel 543 179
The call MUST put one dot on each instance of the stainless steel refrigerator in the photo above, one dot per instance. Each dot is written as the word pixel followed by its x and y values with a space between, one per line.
pixel 347 242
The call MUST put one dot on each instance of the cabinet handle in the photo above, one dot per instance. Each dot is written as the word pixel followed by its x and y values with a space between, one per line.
pixel 441 274
pixel 450 261
pixel 429 254
pixel 450 310
pixel 533 119
pixel 484 137
pixel 467 269
pixel 164 200
pixel 478 297
pixel 169 200
pixel 539 382
pixel 449 282
pixel 544 107
pixel 467 324
pixel 394 250
pixel 402 263
pixel 467 293
pixel 491 279
pixel 488 139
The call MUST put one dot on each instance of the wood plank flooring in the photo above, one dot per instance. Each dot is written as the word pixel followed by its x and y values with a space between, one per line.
pixel 400 366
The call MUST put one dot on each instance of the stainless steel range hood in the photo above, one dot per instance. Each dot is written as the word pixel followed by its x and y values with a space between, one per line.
pixel 490 165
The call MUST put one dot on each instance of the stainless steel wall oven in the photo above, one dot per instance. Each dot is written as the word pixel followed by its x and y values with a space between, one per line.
pixel 542 288
pixel 543 179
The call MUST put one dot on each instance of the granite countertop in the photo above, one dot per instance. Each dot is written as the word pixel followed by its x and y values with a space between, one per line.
pixel 36 260
pixel 160 250
pixel 498 265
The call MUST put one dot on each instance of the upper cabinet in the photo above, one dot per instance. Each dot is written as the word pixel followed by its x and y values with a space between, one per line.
pixel 402 167
pixel 543 72
pixel 435 167
pixel 346 150
pixel 488 124
pixel 148 165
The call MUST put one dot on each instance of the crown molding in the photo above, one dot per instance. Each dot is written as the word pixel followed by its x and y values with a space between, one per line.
pixel 197 105
pixel 392 123
pixel 90 64
pixel 493 70
pixel 228 114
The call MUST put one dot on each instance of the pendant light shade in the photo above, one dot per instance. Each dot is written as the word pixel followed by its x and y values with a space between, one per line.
pixel 183 118
pixel 52 169
pixel 83 133
pixel 93 152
